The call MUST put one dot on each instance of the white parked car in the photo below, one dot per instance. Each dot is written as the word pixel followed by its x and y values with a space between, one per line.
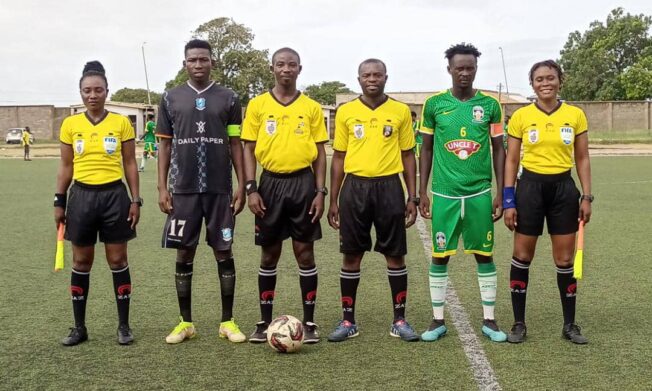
pixel 14 135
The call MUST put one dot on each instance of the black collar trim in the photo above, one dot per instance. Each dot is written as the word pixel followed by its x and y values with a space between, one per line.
pixel 377 106
pixel 285 104
pixel 88 117
pixel 559 103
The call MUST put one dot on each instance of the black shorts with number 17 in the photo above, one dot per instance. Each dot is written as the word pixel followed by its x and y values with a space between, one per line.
pixel 287 199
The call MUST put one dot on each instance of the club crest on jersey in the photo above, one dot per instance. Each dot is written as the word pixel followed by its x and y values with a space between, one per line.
pixel 440 241
pixel 79 146
pixel 110 144
pixel 478 114
pixel 462 148
pixel 358 131
pixel 227 234
pixel 387 130
pixel 566 133
pixel 200 103
pixel 270 126
pixel 533 136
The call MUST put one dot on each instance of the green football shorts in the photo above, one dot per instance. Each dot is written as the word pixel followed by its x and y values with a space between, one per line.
pixel 468 216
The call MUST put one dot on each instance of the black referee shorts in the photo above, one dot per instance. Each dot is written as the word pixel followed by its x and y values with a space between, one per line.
pixel 287 198
pixel 102 209
pixel 376 201
pixel 554 198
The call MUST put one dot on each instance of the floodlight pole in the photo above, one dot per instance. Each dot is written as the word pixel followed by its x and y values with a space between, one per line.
pixel 149 98
pixel 504 71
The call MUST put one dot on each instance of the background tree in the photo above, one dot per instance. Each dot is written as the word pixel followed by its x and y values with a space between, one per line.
pixel 237 64
pixel 609 61
pixel 325 92
pixel 135 95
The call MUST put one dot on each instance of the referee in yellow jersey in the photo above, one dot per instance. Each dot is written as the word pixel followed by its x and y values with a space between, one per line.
pixel 97 149
pixel 284 131
pixel 374 142
pixel 551 133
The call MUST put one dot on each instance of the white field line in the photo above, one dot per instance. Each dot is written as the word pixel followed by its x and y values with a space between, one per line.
pixel 482 372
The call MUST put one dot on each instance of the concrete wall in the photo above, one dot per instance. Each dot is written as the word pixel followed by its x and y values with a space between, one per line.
pixel 617 116
pixel 43 120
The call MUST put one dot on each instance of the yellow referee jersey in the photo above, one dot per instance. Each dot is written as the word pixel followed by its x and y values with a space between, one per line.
pixel 547 139
pixel 373 138
pixel 97 147
pixel 286 136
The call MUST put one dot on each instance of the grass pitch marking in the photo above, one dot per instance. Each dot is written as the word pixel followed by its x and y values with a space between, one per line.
pixel 483 373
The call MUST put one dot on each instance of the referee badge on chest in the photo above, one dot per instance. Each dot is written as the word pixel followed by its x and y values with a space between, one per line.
pixel 566 133
pixel 387 130
pixel 358 131
pixel 110 144
pixel 270 126
pixel 79 147
pixel 533 136
pixel 200 103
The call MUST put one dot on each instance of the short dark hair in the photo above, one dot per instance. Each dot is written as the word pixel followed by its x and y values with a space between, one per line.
pixel 547 63
pixel 197 44
pixel 150 116
pixel 94 68
pixel 462 48
pixel 372 61
pixel 413 113
pixel 286 50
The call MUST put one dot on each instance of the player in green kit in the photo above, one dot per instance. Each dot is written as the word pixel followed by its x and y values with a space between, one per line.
pixel 462 127
pixel 150 141
pixel 416 125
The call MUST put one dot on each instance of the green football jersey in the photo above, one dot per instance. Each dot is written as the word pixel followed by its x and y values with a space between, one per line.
pixel 461 144
pixel 150 137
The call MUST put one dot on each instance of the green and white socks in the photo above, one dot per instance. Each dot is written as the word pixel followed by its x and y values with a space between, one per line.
pixel 438 278
pixel 487 280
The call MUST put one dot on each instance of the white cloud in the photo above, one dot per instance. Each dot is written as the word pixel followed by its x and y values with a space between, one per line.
pixel 45 44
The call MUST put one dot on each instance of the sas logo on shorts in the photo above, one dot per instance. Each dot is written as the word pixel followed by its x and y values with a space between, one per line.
pixel 110 144
pixel 478 114
pixel 533 136
pixel 440 241
pixel 462 148
pixel 270 126
pixel 358 131
pixel 200 103
pixel 79 147
pixel 567 134
pixel 227 234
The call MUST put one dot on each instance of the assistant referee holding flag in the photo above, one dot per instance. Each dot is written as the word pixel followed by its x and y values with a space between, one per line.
pixel 97 149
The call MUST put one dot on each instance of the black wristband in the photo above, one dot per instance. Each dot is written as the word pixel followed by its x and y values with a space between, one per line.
pixel 251 187
pixel 60 200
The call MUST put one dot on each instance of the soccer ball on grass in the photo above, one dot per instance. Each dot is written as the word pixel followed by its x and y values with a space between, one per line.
pixel 285 334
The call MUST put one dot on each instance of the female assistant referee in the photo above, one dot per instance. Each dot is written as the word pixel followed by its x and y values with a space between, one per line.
pixel 551 132
pixel 97 147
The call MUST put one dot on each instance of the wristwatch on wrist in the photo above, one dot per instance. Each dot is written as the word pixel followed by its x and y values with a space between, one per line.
pixel 138 201
pixel 323 190
pixel 414 199
pixel 587 197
